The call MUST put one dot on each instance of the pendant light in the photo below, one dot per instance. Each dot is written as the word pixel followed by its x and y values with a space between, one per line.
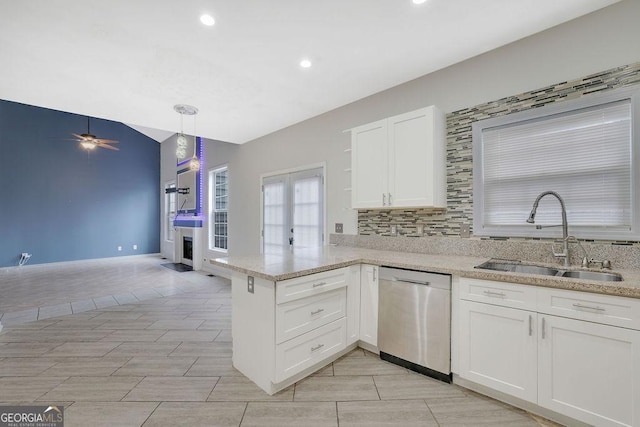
pixel 181 141
pixel 181 151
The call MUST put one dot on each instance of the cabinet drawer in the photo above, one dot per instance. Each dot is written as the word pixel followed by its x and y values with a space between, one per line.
pixel 306 350
pixel 303 315
pixel 301 287
pixel 605 309
pixel 498 293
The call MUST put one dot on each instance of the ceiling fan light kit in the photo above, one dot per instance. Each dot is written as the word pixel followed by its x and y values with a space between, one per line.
pixel 88 145
pixel 89 141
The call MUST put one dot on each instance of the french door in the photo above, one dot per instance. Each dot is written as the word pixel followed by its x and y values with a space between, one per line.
pixel 293 211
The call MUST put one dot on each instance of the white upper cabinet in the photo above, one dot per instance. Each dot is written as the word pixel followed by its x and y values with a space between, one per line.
pixel 400 161
pixel 369 165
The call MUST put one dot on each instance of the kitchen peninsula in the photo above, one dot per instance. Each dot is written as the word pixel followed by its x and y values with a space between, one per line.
pixel 294 313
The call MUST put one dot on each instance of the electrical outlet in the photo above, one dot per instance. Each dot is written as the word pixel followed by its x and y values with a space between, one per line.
pixel 250 284
pixel 393 230
pixel 119 248
pixel 465 230
pixel 339 227
pixel 419 229
pixel 135 247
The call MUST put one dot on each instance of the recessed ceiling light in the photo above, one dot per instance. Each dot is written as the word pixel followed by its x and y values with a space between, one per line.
pixel 207 20
pixel 305 63
pixel 419 1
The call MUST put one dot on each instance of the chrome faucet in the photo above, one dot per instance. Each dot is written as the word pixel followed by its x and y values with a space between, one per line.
pixel 565 227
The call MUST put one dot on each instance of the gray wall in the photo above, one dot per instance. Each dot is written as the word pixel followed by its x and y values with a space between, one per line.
pixel 599 41
pixel 595 42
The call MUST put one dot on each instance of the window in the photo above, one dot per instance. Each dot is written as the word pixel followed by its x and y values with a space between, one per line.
pixel 293 211
pixel 582 149
pixel 169 212
pixel 218 209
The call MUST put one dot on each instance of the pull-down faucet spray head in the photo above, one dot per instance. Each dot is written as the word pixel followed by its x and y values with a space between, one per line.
pixel 532 216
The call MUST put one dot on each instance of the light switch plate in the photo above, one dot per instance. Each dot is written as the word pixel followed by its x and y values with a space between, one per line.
pixel 250 284
pixel 339 227
pixel 419 229
pixel 465 230
pixel 393 230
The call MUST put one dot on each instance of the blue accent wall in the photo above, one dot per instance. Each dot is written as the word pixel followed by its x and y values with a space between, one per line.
pixel 60 203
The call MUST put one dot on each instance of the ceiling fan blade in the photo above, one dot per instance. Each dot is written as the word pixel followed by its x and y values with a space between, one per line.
pixel 106 141
pixel 108 146
pixel 80 137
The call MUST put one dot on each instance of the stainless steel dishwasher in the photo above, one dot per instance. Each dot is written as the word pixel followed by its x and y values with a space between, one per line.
pixel 414 323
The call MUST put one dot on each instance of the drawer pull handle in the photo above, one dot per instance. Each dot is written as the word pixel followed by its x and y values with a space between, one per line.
pixel 588 307
pixel 544 328
pixel 315 285
pixel 318 311
pixel 530 325
pixel 318 347
pixel 495 294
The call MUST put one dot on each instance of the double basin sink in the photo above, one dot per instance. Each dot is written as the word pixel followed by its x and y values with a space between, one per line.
pixel 519 267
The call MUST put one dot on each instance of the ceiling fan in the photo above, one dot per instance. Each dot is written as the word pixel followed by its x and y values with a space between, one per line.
pixel 89 142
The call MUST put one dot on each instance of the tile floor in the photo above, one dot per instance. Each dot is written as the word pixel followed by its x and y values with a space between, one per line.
pixel 166 361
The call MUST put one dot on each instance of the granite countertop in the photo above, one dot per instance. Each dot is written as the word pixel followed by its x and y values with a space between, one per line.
pixel 289 265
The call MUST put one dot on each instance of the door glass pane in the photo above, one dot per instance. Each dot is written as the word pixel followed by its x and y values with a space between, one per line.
pixel 274 209
pixel 307 208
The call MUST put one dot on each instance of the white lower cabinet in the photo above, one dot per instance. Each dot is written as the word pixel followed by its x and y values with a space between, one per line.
pixel 589 371
pixel 369 305
pixel 579 368
pixel 498 348
pixel 284 330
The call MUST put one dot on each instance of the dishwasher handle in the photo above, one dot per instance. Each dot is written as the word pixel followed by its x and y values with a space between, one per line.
pixel 413 282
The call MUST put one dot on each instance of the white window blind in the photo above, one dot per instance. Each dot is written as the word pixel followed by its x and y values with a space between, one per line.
pixel 583 154
pixel 218 209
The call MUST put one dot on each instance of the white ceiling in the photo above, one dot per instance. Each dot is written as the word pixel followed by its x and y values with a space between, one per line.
pixel 132 60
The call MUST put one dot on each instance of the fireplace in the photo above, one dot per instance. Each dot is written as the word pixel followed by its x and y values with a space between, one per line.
pixel 187 248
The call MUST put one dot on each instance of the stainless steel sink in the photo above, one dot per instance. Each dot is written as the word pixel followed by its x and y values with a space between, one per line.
pixel 593 275
pixel 517 267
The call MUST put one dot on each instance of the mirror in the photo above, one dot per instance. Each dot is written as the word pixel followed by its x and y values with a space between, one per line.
pixel 187 202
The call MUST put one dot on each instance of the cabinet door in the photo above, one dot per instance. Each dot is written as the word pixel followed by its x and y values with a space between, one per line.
pixel 369 305
pixel 417 159
pixel 369 165
pixel 353 305
pixel 589 371
pixel 498 348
